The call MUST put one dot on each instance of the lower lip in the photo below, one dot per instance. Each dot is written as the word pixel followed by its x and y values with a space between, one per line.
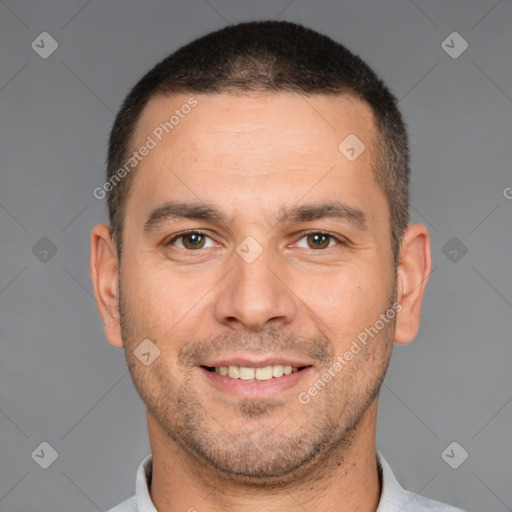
pixel 255 389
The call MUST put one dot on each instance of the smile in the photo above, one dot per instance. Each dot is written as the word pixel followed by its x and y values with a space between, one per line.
pixel 261 373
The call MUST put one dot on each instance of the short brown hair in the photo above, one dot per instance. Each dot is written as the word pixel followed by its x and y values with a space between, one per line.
pixel 268 56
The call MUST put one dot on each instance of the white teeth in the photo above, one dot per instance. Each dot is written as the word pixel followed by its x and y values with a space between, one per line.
pixel 246 373
pixel 277 370
pixel 234 372
pixel 262 373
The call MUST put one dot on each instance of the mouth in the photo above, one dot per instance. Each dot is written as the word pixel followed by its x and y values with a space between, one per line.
pixel 243 376
pixel 259 373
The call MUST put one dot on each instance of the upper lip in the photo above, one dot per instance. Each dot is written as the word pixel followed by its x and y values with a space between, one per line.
pixel 256 362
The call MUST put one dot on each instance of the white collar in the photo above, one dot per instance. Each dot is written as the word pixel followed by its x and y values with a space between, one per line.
pixel 393 497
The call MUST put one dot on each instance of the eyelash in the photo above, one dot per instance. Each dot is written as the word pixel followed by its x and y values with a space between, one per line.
pixel 340 241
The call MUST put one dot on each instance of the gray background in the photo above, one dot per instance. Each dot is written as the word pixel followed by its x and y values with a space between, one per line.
pixel 61 382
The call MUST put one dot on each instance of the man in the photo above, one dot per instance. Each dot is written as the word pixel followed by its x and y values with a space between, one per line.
pixel 258 268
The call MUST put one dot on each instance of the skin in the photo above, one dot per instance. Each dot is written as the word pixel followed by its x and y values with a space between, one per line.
pixel 253 157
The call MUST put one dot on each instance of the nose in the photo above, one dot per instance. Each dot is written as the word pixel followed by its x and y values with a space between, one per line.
pixel 255 294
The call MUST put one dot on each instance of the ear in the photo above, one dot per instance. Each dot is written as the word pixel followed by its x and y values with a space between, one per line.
pixel 104 269
pixel 414 267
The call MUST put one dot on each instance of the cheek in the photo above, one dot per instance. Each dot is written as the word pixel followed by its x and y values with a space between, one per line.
pixel 153 299
pixel 346 302
pixel 162 304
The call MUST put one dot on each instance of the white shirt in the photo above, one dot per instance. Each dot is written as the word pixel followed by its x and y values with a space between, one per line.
pixel 393 497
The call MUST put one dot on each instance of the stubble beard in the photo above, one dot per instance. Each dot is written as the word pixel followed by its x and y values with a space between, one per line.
pixel 263 453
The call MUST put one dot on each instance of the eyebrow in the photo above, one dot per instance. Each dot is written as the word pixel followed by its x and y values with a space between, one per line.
pixel 173 210
pixel 331 209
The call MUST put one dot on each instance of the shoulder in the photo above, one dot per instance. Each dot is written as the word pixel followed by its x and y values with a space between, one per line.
pixel 416 503
pixel 395 498
pixel 129 505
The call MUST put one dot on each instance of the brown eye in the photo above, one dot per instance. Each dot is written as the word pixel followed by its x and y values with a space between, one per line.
pixel 318 240
pixel 192 240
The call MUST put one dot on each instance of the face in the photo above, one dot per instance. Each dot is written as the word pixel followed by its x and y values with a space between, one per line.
pixel 274 251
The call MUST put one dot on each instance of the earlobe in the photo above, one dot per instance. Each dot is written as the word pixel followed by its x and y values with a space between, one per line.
pixel 413 271
pixel 104 269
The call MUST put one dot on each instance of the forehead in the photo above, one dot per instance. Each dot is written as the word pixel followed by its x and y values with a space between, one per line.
pixel 313 121
pixel 271 146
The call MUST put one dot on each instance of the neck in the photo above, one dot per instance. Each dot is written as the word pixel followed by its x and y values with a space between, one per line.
pixel 347 481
